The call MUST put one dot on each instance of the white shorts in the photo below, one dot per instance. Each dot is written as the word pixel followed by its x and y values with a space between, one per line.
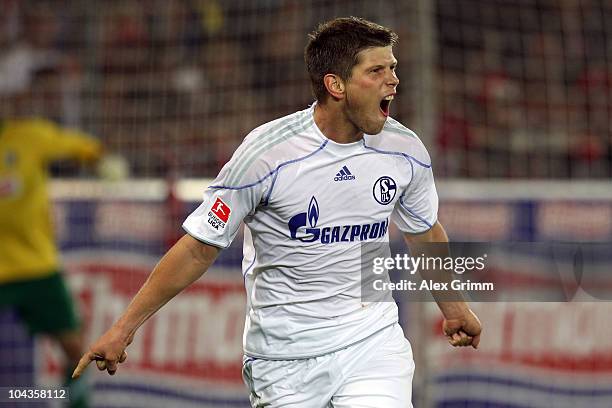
pixel 373 373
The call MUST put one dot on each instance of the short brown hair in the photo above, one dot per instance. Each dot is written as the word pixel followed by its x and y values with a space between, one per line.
pixel 333 48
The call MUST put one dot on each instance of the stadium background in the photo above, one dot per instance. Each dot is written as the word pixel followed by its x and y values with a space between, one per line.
pixel 512 99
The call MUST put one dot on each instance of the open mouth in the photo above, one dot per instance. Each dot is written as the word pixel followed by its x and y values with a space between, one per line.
pixel 384 105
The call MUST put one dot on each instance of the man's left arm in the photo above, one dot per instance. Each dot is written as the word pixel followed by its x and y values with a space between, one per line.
pixel 461 326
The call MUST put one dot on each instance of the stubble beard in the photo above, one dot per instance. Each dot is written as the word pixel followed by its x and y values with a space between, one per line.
pixel 359 118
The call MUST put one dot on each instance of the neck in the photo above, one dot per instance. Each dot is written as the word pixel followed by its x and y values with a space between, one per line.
pixel 332 121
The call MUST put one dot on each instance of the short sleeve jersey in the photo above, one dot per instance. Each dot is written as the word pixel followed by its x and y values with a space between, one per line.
pixel 308 205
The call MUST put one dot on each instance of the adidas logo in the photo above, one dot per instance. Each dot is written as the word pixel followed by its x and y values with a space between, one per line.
pixel 344 174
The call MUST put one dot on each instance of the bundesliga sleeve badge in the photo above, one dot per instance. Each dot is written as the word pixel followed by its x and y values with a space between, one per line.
pixel 219 214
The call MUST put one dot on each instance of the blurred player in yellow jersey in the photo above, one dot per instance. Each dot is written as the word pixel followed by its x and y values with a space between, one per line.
pixel 30 278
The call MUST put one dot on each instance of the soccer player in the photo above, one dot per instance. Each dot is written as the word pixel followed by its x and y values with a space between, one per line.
pixel 312 188
pixel 30 278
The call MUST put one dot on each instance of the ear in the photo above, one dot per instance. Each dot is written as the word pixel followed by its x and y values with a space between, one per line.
pixel 334 85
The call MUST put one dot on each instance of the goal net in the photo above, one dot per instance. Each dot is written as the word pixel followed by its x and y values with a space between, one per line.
pixel 523 88
pixel 496 89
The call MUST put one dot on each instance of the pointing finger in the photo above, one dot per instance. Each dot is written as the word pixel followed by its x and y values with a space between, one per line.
pixel 83 363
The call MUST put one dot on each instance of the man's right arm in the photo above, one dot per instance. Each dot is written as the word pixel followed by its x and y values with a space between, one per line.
pixel 183 264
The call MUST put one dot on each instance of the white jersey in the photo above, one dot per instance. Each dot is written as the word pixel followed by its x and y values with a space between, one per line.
pixel 309 204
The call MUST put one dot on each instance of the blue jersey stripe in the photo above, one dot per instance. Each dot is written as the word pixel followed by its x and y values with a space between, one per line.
pixel 423 220
pixel 273 172
pixel 406 156
pixel 288 131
